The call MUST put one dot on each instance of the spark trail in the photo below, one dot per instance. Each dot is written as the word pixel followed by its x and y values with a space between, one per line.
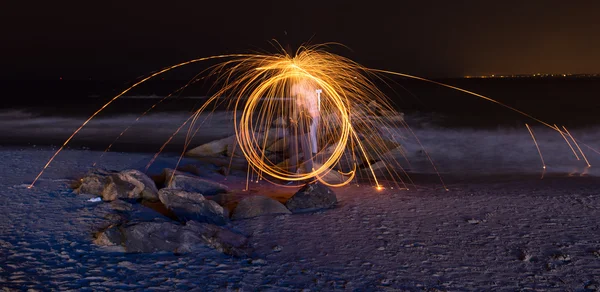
pixel 262 88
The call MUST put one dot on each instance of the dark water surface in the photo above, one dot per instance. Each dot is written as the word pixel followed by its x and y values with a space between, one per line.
pixel 46 112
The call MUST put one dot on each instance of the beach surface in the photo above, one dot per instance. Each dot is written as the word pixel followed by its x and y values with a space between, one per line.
pixel 493 232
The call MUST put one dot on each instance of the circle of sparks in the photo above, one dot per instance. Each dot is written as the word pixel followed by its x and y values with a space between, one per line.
pixel 259 89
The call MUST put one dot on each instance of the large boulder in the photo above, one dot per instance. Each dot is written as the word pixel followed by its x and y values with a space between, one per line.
pixel 192 206
pixel 221 239
pixel 93 182
pixel 213 148
pixel 222 147
pixel 151 236
pixel 194 184
pixel 312 196
pixel 229 146
pixel 258 206
pixel 129 184
pixel 111 236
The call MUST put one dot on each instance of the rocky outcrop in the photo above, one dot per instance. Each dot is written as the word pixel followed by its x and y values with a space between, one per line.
pixel 313 196
pixel 258 206
pixel 192 206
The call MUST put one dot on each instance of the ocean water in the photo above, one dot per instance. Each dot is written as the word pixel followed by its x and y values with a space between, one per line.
pixel 458 132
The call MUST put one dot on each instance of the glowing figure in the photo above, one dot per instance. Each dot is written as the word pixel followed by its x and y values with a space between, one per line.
pixel 304 119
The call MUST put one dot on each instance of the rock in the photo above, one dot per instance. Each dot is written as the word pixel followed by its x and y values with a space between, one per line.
pixel 221 239
pixel 225 199
pixel 312 196
pixel 262 140
pixel 115 219
pixel 592 286
pixel 120 205
pixel 195 184
pixel 171 237
pixel 110 236
pixel 281 145
pixel 230 148
pixel 332 176
pixel 258 206
pixel 152 236
pixel 192 206
pixel 189 168
pixel 213 148
pixel 93 182
pixel 166 174
pixel 222 147
pixel 129 184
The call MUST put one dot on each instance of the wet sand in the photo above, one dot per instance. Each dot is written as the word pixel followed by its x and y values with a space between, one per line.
pixel 486 233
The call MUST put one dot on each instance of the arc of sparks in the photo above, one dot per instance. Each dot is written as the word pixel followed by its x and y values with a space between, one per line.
pixel 121 94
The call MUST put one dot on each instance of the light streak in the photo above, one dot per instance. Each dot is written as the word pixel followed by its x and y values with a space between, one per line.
pixel 568 143
pixel 578 148
pixel 536 147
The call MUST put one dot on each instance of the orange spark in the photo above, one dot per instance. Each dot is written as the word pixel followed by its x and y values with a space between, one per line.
pixel 568 143
pixel 536 146
pixel 578 148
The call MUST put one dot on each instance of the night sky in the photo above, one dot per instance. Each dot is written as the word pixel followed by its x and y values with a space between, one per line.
pixel 115 40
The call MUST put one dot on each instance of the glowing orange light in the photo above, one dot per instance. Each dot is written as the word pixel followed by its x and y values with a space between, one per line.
pixel 258 89
pixel 578 148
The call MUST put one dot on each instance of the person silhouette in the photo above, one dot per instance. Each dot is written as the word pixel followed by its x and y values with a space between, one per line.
pixel 304 119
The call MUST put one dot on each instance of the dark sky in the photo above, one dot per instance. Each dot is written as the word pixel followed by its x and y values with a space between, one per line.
pixel 122 40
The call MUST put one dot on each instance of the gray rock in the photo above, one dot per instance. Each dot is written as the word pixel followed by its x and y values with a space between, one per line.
pixel 110 236
pixel 195 184
pixel 192 206
pixel 312 196
pixel 129 184
pixel 93 182
pixel 225 199
pixel 171 237
pixel 258 206
pixel 151 236
pixel 221 239
pixel 120 205
pixel 217 147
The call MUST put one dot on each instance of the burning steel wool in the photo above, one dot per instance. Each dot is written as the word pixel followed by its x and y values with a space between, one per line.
pixel 323 102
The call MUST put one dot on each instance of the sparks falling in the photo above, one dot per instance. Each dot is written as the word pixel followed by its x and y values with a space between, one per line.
pixel 320 93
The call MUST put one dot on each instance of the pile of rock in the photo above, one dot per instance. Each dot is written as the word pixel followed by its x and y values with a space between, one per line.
pixel 372 126
pixel 181 212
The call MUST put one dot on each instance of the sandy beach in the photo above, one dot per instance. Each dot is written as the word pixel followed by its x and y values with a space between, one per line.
pixel 487 233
